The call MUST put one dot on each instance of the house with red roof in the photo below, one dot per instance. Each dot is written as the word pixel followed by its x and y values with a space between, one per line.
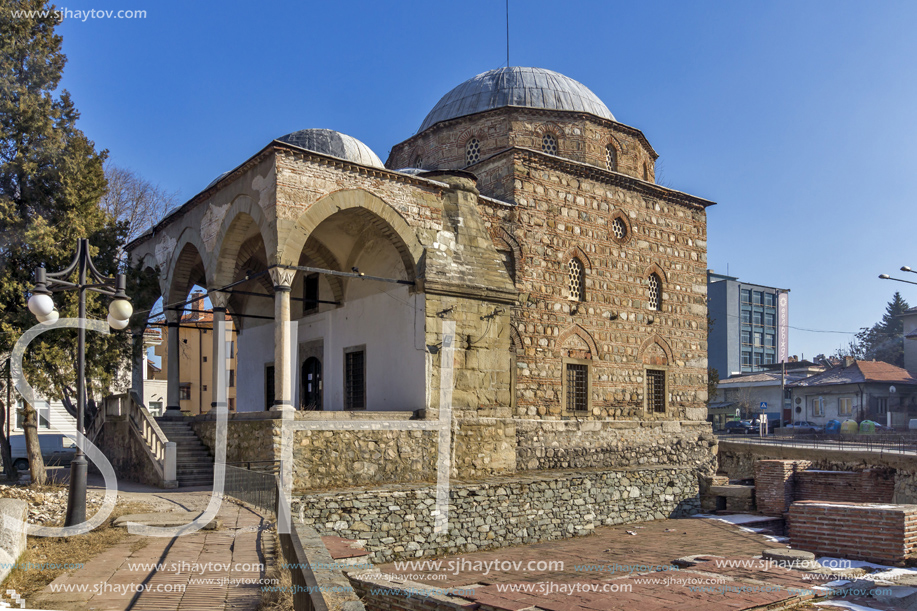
pixel 857 390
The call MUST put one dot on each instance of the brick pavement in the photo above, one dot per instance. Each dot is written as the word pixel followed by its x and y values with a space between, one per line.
pixel 188 580
pixel 614 570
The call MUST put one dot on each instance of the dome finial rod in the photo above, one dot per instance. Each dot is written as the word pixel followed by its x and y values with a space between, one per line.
pixel 507 33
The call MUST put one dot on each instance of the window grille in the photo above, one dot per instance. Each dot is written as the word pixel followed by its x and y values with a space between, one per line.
pixel 549 144
pixel 577 280
pixel 619 228
pixel 655 390
pixel 611 161
pixel 472 151
pixel 655 292
pixel 577 388
pixel 355 380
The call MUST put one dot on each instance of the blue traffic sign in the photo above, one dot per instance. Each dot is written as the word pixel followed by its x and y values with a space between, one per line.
pixel 763 405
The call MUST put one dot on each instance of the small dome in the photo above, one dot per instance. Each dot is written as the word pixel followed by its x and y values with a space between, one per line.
pixel 335 144
pixel 515 86
pixel 217 179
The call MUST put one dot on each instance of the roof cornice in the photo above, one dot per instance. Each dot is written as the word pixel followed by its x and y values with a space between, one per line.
pixel 585 170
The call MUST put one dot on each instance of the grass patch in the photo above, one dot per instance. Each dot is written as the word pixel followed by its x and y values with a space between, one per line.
pixel 277 578
pixel 68 550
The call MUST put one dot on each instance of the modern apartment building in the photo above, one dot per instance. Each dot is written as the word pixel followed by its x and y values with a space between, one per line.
pixel 749 325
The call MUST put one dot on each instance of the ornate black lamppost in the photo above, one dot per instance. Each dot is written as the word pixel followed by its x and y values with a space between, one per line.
pixel 119 313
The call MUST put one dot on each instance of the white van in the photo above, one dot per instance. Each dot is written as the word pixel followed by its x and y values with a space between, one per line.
pixel 56 449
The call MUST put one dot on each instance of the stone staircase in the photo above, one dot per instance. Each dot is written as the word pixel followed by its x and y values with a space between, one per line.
pixel 194 465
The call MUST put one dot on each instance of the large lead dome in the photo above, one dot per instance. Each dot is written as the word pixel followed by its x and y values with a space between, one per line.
pixel 335 144
pixel 516 86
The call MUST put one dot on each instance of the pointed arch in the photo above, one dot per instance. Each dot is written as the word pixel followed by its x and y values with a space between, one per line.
pixel 515 341
pixel 654 268
pixel 377 211
pixel 243 214
pixel 579 253
pixel 504 240
pixel 656 340
pixel 187 267
pixel 582 334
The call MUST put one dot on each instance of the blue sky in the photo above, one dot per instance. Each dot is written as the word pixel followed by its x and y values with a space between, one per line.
pixel 798 118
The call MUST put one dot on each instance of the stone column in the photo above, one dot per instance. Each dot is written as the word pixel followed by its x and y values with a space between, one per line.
pixel 283 340
pixel 173 357
pixel 219 368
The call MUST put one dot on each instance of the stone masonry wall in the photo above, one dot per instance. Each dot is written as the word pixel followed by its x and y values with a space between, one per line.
pixel 578 444
pixel 578 137
pixel 396 521
pixel 250 436
pixel 565 211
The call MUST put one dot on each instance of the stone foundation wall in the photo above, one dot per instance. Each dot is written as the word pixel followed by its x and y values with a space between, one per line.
pixel 577 444
pixel 396 521
pixel 249 437
pixel 125 451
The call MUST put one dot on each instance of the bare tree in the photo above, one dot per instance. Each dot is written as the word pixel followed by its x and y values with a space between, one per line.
pixel 135 201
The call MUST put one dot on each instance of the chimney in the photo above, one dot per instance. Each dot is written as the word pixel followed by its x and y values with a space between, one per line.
pixel 849 361
pixel 197 305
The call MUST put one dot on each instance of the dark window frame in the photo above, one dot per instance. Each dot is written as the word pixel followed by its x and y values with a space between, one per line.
pixel 568 393
pixel 656 400
pixel 355 382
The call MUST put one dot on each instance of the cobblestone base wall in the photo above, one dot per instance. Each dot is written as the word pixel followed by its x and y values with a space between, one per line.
pixel 397 522
pixel 587 444
pixel 249 437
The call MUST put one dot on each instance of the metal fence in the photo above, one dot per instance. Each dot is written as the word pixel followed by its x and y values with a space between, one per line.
pixel 255 487
pixel 883 443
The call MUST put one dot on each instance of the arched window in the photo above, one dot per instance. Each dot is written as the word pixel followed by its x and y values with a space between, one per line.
pixel 472 151
pixel 611 157
pixel 619 228
pixel 418 162
pixel 549 144
pixel 577 280
pixel 655 292
pixel 646 172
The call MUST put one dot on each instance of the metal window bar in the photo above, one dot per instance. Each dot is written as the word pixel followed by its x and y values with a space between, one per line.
pixel 655 390
pixel 577 388
pixel 355 383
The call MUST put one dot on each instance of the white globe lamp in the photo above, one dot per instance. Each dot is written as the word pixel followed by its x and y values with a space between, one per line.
pixel 121 309
pixel 41 304
pixel 115 323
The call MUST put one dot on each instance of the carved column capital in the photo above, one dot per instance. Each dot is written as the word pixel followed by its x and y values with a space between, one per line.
pixel 218 299
pixel 282 278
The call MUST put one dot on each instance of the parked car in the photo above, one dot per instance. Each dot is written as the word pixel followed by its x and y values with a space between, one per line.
pixel 55 450
pixel 802 426
pixel 741 427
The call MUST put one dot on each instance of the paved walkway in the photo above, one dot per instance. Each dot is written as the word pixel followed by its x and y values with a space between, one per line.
pixel 618 568
pixel 206 570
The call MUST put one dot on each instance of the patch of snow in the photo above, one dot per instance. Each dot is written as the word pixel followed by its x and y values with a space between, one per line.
pixel 739 518
pixel 845 605
pixel 887 573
